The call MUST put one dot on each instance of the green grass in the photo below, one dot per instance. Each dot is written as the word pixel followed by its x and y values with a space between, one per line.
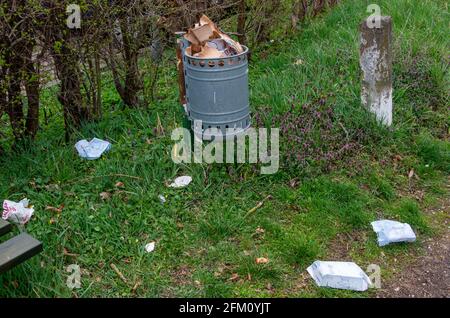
pixel 204 233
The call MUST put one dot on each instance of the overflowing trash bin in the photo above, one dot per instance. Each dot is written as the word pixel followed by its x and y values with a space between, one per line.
pixel 215 71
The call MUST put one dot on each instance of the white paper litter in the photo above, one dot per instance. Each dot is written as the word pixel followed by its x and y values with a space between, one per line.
pixel 162 199
pixel 93 149
pixel 181 182
pixel 341 275
pixel 392 232
pixel 17 212
pixel 150 247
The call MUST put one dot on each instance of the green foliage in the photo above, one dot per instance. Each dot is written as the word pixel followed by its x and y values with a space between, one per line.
pixel 297 248
pixel 381 188
pixel 409 212
pixel 434 152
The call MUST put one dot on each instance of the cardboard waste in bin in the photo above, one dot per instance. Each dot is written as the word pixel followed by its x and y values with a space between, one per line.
pixel 207 41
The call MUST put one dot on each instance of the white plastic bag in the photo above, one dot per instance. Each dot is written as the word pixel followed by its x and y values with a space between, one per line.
pixel 181 182
pixel 341 275
pixel 150 247
pixel 17 212
pixel 162 199
pixel 392 232
pixel 93 149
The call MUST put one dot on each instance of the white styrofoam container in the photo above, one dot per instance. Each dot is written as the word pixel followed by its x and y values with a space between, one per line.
pixel 393 232
pixel 341 275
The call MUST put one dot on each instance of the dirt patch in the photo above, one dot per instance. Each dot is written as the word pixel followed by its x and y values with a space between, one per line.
pixel 341 246
pixel 429 275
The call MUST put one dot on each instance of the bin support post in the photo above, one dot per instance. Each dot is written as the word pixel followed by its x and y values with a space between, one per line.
pixel 180 67
pixel 376 66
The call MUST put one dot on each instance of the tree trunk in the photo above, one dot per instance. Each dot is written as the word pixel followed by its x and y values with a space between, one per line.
pixel 132 84
pixel 98 84
pixel 67 69
pixel 32 90
pixel 15 106
pixel 70 94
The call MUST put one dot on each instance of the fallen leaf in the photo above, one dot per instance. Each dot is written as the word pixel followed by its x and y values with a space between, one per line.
pixel 120 184
pixel 411 173
pixel 52 187
pixel 234 277
pixel 260 230
pixel 262 260
pixel 56 210
pixel 105 195
pixel 293 183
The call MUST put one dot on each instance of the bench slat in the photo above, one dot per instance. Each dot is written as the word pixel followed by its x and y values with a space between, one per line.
pixel 5 227
pixel 17 250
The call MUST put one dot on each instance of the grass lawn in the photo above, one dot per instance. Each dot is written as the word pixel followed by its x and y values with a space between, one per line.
pixel 206 242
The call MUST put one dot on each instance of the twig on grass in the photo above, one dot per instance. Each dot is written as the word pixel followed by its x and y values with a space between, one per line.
pixel 102 176
pixel 119 273
pixel 136 286
pixel 260 204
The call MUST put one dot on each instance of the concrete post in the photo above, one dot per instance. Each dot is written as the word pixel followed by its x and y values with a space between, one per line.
pixel 376 66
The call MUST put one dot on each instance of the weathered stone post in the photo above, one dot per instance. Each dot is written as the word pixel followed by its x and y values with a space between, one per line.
pixel 376 65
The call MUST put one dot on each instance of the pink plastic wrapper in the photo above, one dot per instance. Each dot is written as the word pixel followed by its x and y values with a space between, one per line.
pixel 17 212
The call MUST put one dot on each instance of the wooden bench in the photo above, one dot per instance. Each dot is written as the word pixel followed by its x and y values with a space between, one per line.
pixel 17 249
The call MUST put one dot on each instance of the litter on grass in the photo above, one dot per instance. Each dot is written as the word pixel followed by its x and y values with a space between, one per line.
pixel 262 260
pixel 181 182
pixel 17 212
pixel 208 41
pixel 150 247
pixel 162 199
pixel 393 232
pixel 93 149
pixel 340 275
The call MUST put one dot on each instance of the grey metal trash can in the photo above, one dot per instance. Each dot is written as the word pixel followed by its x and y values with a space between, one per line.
pixel 217 94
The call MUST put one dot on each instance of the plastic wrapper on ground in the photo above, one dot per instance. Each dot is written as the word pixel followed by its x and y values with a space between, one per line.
pixel 17 212
pixel 93 149
pixel 181 182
